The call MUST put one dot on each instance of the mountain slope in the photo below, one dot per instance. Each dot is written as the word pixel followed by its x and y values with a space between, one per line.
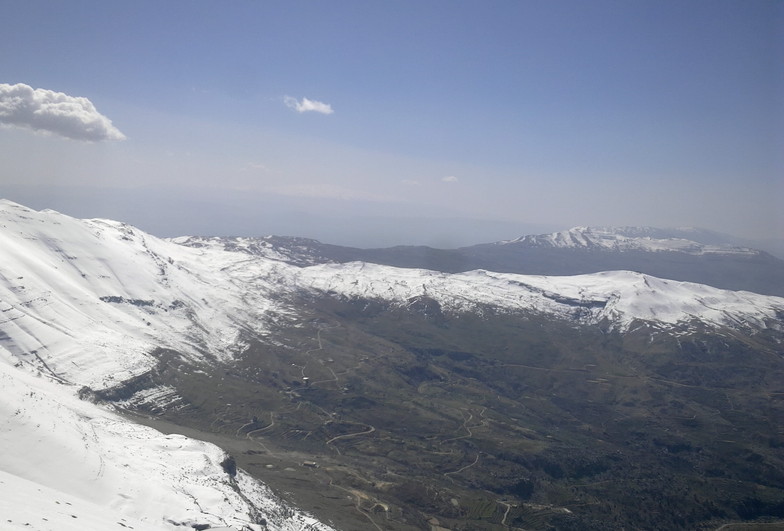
pixel 375 394
pixel 85 304
pixel 617 298
pixel 74 293
pixel 690 255
pixel 79 466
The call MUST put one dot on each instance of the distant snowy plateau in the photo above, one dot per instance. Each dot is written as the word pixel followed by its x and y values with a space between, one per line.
pixel 84 304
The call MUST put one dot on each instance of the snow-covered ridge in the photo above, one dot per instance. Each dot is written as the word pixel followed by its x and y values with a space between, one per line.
pixel 296 251
pixel 647 239
pixel 87 302
pixel 75 293
pixel 617 297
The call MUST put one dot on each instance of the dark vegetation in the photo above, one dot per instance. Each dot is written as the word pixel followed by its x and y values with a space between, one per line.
pixel 375 417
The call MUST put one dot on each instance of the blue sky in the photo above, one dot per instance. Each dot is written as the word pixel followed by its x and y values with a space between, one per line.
pixel 433 122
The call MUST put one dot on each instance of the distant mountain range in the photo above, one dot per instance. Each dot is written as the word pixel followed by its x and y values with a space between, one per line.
pixel 691 255
pixel 441 394
pixel 127 290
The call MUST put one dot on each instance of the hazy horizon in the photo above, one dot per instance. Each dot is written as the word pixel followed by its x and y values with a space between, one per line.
pixel 433 123
pixel 164 218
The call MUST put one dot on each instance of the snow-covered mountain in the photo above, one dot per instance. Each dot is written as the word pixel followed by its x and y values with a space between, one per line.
pixel 649 239
pixel 86 305
pixel 692 255
pixel 75 293
pixel 615 297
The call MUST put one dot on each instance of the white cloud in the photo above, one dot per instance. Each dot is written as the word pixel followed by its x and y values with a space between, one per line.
pixel 54 112
pixel 255 166
pixel 307 105
pixel 449 179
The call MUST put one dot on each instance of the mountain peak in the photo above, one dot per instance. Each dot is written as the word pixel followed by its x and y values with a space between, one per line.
pixel 629 238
